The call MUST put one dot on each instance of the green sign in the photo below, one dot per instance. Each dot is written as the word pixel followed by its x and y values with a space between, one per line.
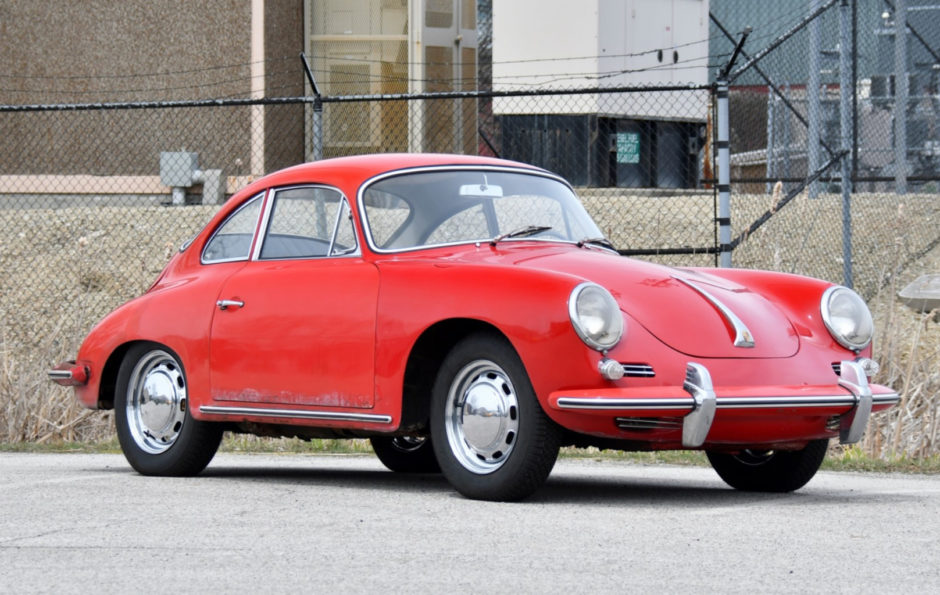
pixel 628 147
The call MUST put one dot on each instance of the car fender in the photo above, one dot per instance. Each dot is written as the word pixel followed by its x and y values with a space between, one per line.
pixel 528 307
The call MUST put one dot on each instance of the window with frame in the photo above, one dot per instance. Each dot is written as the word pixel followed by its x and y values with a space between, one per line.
pixel 309 222
pixel 232 241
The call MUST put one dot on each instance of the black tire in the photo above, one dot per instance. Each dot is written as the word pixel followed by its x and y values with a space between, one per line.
pixel 770 471
pixel 505 452
pixel 151 412
pixel 406 454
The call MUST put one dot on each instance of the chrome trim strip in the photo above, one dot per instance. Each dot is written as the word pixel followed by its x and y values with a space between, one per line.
pixel 601 404
pixel 686 403
pixel 777 401
pixel 59 374
pixel 743 336
pixel 889 399
pixel 299 413
pixel 263 224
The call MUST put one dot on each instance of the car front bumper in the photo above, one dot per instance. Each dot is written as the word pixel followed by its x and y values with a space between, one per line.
pixel 708 414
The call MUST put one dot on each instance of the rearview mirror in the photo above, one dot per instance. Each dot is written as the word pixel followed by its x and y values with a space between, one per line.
pixel 490 191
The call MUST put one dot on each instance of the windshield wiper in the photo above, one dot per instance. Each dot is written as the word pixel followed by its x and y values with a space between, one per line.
pixel 602 242
pixel 522 232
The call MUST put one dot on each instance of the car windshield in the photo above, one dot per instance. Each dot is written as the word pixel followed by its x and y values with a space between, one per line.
pixel 434 207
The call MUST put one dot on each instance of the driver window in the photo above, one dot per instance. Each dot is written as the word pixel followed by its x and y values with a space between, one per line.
pixel 306 222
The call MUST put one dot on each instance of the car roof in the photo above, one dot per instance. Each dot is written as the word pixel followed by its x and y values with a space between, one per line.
pixel 367 166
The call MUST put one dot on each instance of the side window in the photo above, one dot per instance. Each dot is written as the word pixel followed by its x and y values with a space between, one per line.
pixel 232 241
pixel 309 222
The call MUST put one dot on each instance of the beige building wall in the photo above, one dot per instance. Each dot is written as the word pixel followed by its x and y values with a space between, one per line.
pixel 97 51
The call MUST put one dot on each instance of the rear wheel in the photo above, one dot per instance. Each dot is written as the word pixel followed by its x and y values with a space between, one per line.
pixel 406 454
pixel 151 412
pixel 770 470
pixel 492 439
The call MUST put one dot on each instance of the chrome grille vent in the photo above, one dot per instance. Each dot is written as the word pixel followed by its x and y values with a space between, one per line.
pixel 638 371
pixel 639 424
pixel 837 368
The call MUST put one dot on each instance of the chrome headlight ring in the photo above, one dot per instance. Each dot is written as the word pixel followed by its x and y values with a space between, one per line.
pixel 847 317
pixel 595 316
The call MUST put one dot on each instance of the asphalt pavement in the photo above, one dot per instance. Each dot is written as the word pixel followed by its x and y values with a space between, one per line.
pixel 76 523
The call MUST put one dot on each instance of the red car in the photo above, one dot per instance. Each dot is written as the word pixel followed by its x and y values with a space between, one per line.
pixel 466 315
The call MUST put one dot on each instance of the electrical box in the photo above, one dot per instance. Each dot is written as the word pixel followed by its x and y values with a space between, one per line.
pixel 178 169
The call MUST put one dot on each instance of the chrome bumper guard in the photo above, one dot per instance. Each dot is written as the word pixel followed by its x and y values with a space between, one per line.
pixel 695 425
pixel 698 410
pixel 698 383
pixel 852 424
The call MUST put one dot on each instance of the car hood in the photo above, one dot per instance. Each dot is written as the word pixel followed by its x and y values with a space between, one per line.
pixel 692 311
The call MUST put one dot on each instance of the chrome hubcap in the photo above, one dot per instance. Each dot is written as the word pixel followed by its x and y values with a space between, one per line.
pixel 481 416
pixel 156 402
pixel 754 458
pixel 408 443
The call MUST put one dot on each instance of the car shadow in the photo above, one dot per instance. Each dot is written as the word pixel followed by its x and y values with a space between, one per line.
pixel 378 479
pixel 559 488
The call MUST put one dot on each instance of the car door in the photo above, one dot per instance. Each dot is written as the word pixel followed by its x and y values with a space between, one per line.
pixel 296 325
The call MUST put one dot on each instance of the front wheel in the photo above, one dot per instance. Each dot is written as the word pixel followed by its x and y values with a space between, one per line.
pixel 151 412
pixel 772 470
pixel 491 437
pixel 406 454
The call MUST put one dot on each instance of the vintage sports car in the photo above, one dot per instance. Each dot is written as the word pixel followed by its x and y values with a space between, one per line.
pixel 467 316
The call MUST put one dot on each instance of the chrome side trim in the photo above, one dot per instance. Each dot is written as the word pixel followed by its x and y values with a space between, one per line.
pixel 770 402
pixel 687 403
pixel 59 374
pixel 852 425
pixel 297 413
pixel 742 335
pixel 601 404
pixel 889 399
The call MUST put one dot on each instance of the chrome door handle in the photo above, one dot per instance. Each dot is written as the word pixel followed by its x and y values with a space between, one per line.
pixel 226 304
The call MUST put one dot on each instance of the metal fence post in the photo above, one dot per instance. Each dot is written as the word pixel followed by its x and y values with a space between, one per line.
pixel 724 155
pixel 771 168
pixel 317 129
pixel 846 87
pixel 900 96
pixel 812 98
pixel 317 110
pixel 724 176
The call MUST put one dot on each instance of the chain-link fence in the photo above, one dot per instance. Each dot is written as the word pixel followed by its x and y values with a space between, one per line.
pixel 95 198
pixel 786 122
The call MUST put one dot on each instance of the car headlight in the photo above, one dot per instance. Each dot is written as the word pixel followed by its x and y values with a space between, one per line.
pixel 595 316
pixel 847 318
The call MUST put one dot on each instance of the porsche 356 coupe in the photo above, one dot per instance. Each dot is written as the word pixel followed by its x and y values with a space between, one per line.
pixel 467 316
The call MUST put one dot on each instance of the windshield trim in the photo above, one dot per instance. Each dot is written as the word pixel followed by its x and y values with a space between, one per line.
pixel 364 219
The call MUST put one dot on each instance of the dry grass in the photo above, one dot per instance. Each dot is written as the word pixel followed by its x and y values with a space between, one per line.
pixel 61 270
